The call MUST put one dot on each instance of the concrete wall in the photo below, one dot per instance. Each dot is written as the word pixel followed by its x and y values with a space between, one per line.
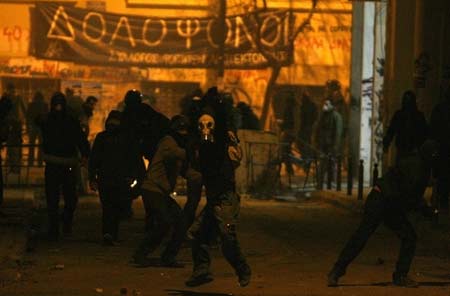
pixel 416 29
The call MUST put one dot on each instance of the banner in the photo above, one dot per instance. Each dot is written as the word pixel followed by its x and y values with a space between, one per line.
pixel 83 36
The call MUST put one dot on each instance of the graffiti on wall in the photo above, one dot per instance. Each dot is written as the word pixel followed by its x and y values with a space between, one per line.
pixel 247 86
pixel 54 69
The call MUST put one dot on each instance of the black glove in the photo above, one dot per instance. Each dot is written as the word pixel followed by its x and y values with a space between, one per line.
pixel 429 212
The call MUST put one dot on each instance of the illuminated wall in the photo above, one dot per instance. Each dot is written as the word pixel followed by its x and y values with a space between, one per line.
pixel 322 52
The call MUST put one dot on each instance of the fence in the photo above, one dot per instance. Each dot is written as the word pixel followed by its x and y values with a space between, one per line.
pixel 271 174
pixel 20 167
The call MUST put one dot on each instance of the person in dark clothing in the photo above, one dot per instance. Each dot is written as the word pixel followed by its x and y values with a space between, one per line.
pixel 249 119
pixel 440 132
pixel 308 117
pixel 87 113
pixel 114 165
pixel 329 138
pixel 5 108
pixel 38 107
pixel 192 111
pixel 408 126
pixel 144 126
pixel 399 191
pixel 287 131
pixel 145 123
pixel 15 121
pixel 62 139
pixel 167 164
pixel 219 218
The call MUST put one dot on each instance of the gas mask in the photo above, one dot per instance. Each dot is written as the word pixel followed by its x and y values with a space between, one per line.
pixel 206 125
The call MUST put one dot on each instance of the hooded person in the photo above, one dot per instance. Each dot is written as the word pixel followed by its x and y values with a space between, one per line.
pixel 63 140
pixel 408 126
pixel 167 164
pixel 400 190
pixel 114 167
pixel 220 215
pixel 146 124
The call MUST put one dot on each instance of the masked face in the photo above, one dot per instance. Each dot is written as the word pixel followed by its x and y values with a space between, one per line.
pixel 206 126
pixel 327 106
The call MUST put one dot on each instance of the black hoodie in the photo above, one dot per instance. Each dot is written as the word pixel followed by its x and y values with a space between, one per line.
pixel 61 133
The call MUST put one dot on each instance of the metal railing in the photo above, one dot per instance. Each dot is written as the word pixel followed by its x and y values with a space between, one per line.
pixel 316 165
pixel 20 169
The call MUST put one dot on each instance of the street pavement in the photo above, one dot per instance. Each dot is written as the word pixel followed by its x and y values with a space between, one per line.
pixel 290 246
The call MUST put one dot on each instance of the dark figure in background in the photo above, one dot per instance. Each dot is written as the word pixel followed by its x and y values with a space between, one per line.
pixel 287 131
pixel 440 132
pixel 408 126
pixel 168 162
pixel 189 102
pixel 74 104
pixel 63 139
pixel 15 121
pixel 114 165
pixel 399 191
pixel 37 108
pixel 146 127
pixel 335 96
pixel 308 117
pixel 87 113
pixel 249 119
pixel 219 218
pixel 329 138
pixel 5 108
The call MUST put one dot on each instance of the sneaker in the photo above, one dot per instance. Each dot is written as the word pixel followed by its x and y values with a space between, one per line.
pixel 108 240
pixel 197 280
pixel 333 278
pixel 244 276
pixel 404 281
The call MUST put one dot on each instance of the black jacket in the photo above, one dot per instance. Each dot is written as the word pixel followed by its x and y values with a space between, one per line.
pixel 404 185
pixel 62 136
pixel 440 127
pixel 114 160
pixel 409 128
pixel 146 126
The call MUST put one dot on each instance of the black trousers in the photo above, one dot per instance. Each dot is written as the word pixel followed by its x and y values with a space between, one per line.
pixel 60 179
pixel 194 192
pixel 443 181
pixel 377 210
pixel 165 215
pixel 114 200
pixel 219 218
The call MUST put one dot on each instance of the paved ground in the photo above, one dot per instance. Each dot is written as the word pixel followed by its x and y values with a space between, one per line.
pixel 290 246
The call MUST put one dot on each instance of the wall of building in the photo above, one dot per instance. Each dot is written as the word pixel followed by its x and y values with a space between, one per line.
pixel 418 53
pixel 321 52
